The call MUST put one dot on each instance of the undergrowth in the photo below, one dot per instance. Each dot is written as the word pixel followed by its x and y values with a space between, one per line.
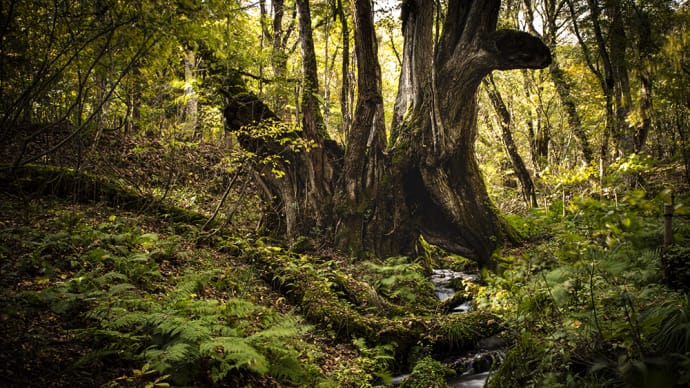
pixel 591 299
pixel 589 296
pixel 163 304
pixel 126 292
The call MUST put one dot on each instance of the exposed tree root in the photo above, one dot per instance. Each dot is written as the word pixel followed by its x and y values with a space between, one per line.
pixel 344 304
pixel 325 295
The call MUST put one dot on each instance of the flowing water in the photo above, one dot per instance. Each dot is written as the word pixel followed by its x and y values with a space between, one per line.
pixel 476 380
pixel 442 279
pixel 477 363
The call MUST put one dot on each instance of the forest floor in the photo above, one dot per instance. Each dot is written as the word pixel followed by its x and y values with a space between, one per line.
pixel 45 242
pixel 138 215
pixel 112 276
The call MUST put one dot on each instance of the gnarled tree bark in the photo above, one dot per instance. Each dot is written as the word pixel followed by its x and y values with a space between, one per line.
pixel 360 204
pixel 427 181
pixel 447 198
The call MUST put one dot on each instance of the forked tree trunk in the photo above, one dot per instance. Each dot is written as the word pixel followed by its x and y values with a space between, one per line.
pixel 428 181
pixel 432 181
pixel 445 192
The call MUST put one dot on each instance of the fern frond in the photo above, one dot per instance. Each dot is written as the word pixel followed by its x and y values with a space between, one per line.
pixel 236 352
pixel 174 354
pixel 195 331
pixel 285 329
pixel 238 308
pixel 134 321
pixel 287 367
pixel 120 289
pixel 203 308
pixel 111 277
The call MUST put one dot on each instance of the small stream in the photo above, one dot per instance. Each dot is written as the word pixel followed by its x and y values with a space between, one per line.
pixel 442 279
pixel 476 363
pixel 477 380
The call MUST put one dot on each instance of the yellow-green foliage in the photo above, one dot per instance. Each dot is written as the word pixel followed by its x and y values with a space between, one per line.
pixel 428 373
pixel 590 304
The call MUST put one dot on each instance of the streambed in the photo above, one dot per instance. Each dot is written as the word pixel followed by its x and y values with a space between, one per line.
pixel 474 367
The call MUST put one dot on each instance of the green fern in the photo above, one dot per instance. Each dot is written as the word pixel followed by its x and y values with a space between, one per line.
pixel 232 353
pixel 173 330
pixel 400 280
pixel 171 356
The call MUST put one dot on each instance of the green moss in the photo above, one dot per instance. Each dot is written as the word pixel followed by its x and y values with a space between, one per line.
pixel 428 373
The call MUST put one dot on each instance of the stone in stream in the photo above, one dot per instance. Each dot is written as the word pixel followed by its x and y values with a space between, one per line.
pixel 443 280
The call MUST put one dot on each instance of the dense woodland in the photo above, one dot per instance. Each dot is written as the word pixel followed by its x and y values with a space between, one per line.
pixel 259 193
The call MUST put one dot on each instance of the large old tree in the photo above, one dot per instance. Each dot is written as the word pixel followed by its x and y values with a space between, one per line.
pixel 382 193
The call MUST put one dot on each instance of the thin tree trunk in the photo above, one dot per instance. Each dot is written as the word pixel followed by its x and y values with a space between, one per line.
pixel 190 97
pixel 563 89
pixel 625 137
pixel 646 49
pixel 552 9
pixel 326 70
pixel 345 100
pixel 539 133
pixel 279 56
pixel 606 79
pixel 528 192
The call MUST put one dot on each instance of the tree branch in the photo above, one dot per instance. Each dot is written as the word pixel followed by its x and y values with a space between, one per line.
pixel 517 50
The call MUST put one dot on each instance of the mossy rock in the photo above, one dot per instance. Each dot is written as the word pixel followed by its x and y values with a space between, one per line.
pixel 428 373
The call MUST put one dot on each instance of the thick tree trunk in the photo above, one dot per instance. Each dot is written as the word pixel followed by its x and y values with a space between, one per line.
pixel 296 178
pixel 434 185
pixel 320 173
pixel 285 172
pixel 451 206
pixel 415 74
pixel 363 218
pixel 428 182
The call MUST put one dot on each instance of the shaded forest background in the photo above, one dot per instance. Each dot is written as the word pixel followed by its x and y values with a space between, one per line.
pixel 149 235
